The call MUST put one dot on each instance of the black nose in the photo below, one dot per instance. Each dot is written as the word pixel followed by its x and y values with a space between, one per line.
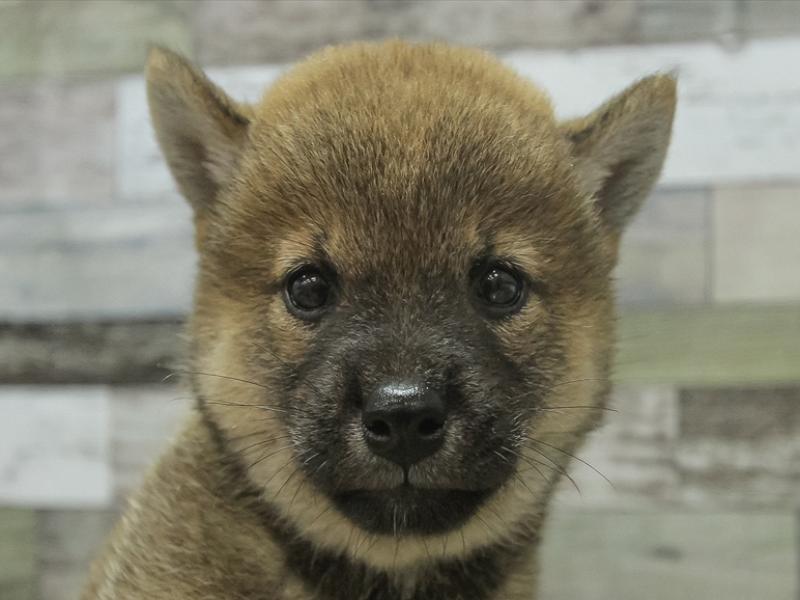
pixel 404 422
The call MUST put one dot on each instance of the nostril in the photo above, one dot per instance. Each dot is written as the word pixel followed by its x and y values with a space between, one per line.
pixel 380 429
pixel 429 427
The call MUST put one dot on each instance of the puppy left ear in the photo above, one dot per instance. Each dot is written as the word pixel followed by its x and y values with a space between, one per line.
pixel 619 149
pixel 200 129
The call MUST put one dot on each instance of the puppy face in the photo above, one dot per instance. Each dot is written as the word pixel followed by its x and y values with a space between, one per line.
pixel 402 323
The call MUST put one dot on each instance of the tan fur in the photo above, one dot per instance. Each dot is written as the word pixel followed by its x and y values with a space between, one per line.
pixel 268 180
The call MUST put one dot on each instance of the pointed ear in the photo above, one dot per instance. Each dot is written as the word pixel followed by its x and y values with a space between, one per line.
pixel 201 131
pixel 619 148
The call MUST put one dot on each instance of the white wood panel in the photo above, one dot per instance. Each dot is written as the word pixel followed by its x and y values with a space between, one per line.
pixel 738 115
pixel 141 171
pixel 144 420
pixel 96 262
pixel 54 446
pixel 738 118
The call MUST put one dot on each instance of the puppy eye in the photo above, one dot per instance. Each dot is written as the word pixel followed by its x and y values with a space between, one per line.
pixel 500 289
pixel 308 291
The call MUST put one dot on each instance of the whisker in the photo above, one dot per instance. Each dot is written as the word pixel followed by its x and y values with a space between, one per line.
pixel 286 464
pixel 554 408
pixel 516 476
pixel 263 458
pixel 264 442
pixel 285 483
pixel 230 378
pixel 297 491
pixel 528 461
pixel 581 380
pixel 244 436
pixel 319 516
pixel 254 406
pixel 274 355
pixel 486 525
pixel 579 459
pixel 204 374
pixel 555 467
pixel 558 469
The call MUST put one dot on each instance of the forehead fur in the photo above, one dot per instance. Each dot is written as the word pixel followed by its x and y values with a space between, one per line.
pixel 405 146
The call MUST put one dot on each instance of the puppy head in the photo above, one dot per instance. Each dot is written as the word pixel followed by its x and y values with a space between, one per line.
pixel 402 323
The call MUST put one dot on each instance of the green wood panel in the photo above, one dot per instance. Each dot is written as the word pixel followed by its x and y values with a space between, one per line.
pixel 17 554
pixel 710 346
pixel 62 38
pixel 68 541
pixel 695 556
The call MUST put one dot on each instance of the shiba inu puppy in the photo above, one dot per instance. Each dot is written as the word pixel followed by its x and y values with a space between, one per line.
pixel 402 328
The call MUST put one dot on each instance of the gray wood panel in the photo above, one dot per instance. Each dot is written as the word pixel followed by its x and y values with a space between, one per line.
pixel 740 447
pixel 756 249
pixel 664 256
pixel 89 352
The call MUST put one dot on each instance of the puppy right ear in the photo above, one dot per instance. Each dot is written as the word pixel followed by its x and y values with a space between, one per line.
pixel 201 131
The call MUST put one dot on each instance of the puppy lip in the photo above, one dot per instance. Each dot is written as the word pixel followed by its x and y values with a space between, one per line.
pixel 410 490
pixel 423 510
pixel 403 488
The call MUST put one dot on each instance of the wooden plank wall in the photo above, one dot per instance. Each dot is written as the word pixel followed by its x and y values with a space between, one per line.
pixel 96 265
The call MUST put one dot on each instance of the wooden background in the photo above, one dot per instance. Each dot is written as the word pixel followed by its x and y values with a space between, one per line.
pixel 96 268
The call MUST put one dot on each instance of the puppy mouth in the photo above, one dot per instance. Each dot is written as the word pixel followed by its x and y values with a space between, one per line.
pixel 408 509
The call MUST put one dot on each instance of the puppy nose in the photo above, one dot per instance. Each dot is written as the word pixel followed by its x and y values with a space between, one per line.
pixel 404 422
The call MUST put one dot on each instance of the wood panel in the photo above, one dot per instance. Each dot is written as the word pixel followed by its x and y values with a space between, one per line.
pixel 17 554
pixel 710 345
pixel 54 446
pixel 691 556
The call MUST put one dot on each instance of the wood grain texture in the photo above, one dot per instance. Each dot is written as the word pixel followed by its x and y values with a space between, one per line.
pixel 17 554
pixel 143 421
pixel 701 345
pixel 629 462
pixel 756 249
pixel 710 345
pixel 736 110
pixel 57 147
pixel 54 38
pixel 691 556
pixel 66 543
pixel 89 352
pixel 132 260
pixel 285 30
pixel 740 447
pixel 664 254
pixel 54 446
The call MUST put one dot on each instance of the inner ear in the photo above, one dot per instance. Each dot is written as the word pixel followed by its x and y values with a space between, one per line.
pixel 200 129
pixel 619 149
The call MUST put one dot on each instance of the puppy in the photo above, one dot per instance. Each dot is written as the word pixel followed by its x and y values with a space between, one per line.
pixel 402 330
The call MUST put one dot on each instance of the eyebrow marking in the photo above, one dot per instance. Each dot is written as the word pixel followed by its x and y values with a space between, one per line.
pixel 520 251
pixel 301 247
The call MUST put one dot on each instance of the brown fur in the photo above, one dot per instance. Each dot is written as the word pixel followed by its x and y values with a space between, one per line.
pixel 404 162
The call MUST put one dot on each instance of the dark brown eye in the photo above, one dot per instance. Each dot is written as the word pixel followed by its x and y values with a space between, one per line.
pixel 308 291
pixel 500 289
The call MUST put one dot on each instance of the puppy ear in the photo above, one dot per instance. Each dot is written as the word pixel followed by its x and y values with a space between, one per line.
pixel 619 148
pixel 201 131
